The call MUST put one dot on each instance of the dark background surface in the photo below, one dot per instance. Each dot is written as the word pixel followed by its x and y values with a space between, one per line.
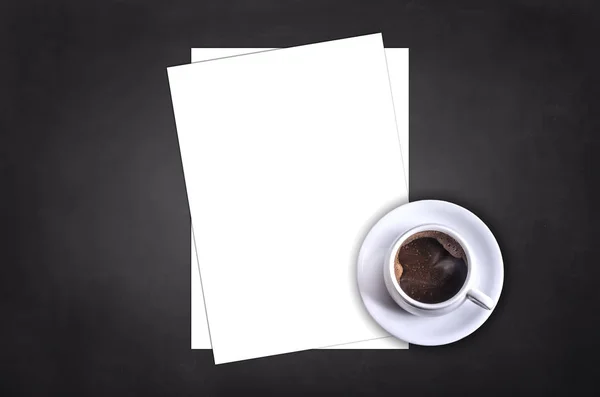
pixel 95 244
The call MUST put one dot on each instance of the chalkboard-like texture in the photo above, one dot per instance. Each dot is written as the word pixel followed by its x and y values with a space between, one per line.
pixel 95 244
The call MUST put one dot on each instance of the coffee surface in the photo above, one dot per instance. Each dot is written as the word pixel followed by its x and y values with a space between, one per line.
pixel 431 267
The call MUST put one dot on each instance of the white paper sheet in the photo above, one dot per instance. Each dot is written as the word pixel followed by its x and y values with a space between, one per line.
pixel 282 150
pixel 397 62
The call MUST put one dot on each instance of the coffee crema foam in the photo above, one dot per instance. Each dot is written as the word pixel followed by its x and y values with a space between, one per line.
pixel 430 267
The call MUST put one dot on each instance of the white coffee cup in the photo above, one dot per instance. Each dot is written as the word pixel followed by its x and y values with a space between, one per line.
pixel 468 291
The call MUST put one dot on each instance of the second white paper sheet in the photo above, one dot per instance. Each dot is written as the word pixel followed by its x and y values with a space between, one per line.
pixel 289 158
pixel 397 62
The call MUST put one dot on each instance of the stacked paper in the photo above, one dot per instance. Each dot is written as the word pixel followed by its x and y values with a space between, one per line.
pixel 289 157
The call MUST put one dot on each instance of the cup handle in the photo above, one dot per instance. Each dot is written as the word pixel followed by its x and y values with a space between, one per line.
pixel 480 299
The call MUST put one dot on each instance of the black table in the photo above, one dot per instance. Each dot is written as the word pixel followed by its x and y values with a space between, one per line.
pixel 95 255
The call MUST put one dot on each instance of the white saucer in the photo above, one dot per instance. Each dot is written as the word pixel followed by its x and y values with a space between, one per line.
pixel 428 331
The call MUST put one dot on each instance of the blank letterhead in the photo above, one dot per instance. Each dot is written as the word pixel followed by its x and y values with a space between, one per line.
pixel 397 62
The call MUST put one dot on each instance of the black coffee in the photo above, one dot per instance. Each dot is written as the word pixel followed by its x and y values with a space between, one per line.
pixel 431 267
